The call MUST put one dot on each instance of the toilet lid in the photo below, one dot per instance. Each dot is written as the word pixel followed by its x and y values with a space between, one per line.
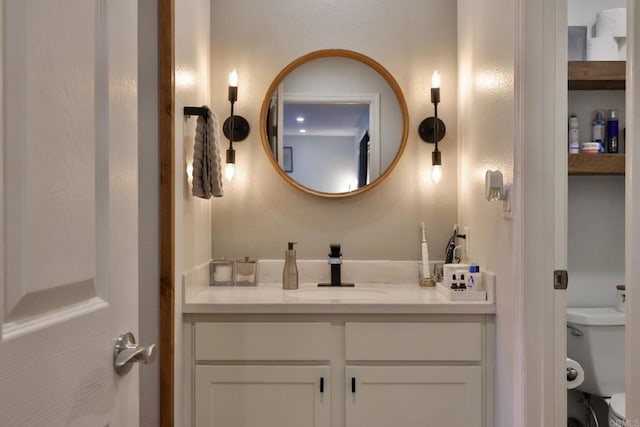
pixel 617 405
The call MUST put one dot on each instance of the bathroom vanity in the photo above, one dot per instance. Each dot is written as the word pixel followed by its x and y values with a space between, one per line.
pixel 373 355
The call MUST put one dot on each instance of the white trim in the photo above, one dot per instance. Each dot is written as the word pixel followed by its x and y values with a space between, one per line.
pixel 280 134
pixel 632 209
pixel 518 214
pixel 559 305
pixel 544 107
pixel 3 282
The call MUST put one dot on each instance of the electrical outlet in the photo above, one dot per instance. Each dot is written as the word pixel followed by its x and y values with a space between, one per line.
pixel 467 243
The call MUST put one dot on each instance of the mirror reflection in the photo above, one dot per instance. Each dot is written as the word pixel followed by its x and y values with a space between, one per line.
pixel 335 123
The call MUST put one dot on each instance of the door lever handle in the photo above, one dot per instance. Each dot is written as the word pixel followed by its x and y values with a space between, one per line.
pixel 127 352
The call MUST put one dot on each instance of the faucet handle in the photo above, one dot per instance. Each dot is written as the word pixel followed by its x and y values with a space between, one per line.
pixel 335 250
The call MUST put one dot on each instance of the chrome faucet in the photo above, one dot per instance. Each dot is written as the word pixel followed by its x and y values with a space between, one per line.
pixel 335 261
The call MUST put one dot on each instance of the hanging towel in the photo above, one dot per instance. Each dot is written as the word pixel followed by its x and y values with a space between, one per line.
pixel 207 164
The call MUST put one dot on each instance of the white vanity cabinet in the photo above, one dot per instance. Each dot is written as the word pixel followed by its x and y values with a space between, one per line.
pixel 266 374
pixel 338 370
pixel 285 396
pixel 409 373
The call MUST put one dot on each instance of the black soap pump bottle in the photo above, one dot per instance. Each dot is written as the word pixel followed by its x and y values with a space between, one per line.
pixel 290 272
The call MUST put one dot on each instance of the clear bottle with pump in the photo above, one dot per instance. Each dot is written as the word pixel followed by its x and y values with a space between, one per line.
pixel 597 130
pixel 290 271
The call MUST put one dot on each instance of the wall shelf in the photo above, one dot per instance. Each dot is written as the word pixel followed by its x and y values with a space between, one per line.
pixel 597 75
pixel 596 164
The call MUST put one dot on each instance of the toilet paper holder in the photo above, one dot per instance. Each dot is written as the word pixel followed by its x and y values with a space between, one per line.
pixel 572 374
pixel 575 331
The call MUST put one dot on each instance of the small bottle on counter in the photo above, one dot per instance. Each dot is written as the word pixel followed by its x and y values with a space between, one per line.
pixel 474 278
pixel 574 136
pixel 612 132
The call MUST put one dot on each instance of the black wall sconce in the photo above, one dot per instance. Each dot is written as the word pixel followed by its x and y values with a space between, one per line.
pixel 432 129
pixel 235 128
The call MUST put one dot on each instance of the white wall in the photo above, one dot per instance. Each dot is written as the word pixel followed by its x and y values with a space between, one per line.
pixel 260 212
pixel 338 168
pixel 486 131
pixel 192 215
pixel 596 240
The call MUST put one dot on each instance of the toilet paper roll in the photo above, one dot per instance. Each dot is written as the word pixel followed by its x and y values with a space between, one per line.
pixel 579 379
pixel 611 22
pixel 602 49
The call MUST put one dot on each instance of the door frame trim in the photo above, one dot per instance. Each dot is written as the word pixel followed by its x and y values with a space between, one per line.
pixel 166 125
pixel 632 207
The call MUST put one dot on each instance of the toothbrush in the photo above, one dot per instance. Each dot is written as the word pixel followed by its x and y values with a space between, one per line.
pixel 425 255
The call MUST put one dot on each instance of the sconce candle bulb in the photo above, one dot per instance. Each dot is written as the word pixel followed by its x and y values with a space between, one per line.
pixel 435 80
pixel 233 87
pixel 230 171
pixel 233 78
pixel 436 174
pixel 435 89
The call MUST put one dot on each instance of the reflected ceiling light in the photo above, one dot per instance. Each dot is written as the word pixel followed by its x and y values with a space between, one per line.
pixel 303 131
pixel 299 119
pixel 433 129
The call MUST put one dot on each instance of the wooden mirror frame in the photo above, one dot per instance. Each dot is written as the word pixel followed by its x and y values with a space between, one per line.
pixel 327 53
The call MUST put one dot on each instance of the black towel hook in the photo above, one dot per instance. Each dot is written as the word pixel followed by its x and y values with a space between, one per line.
pixel 196 111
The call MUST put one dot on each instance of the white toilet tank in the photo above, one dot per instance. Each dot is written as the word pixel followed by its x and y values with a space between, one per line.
pixel 595 339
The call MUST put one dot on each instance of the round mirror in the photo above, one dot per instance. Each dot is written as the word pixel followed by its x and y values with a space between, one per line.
pixel 334 123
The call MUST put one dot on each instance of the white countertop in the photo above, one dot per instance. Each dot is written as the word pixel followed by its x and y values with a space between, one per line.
pixel 309 299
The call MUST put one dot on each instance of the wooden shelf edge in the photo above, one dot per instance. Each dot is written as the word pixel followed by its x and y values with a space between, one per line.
pixel 596 164
pixel 596 75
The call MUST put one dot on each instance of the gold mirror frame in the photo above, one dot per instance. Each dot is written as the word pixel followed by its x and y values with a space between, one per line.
pixel 344 54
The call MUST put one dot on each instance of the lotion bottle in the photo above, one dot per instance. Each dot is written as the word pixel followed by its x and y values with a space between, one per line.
pixel 290 272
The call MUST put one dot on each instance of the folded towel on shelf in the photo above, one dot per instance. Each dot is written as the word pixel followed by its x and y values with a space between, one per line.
pixel 207 163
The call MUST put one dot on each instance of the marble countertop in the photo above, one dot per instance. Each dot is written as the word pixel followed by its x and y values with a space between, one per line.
pixel 309 299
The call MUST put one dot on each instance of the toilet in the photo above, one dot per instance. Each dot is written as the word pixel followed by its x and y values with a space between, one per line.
pixel 595 339
pixel 616 410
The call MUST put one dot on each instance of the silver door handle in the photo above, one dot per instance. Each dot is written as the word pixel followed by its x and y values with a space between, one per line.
pixel 127 352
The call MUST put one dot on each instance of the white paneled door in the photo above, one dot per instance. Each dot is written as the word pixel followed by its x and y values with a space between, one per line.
pixel 68 209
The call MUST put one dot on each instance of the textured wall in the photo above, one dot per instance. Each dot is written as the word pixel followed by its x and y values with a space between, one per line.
pixel 487 131
pixel 260 212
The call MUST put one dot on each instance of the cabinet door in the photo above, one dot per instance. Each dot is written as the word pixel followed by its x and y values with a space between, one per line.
pixel 412 396
pixel 262 396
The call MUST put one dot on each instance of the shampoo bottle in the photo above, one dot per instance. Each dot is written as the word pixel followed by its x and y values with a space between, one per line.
pixel 612 132
pixel 290 272
pixel 574 137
